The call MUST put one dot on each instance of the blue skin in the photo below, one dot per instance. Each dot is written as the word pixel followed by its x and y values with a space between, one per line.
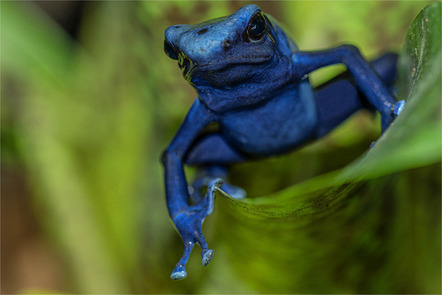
pixel 253 81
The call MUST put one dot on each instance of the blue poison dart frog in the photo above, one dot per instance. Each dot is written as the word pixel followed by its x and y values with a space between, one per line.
pixel 252 81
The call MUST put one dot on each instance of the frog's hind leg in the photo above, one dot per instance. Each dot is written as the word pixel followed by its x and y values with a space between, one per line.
pixel 339 98
pixel 213 155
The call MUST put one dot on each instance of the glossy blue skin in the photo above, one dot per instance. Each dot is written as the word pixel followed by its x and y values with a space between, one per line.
pixel 259 94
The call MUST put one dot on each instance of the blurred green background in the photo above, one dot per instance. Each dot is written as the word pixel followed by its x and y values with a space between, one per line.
pixel 89 101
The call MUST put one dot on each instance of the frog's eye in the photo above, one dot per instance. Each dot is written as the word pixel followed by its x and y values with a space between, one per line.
pixel 257 27
pixel 170 50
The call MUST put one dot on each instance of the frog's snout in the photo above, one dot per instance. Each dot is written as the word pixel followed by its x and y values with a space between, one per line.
pixel 171 36
pixel 170 50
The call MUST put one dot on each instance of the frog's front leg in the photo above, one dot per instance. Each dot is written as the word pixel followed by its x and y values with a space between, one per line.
pixel 187 218
pixel 365 78
pixel 189 224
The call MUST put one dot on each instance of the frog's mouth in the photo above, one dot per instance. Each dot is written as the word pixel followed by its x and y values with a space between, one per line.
pixel 186 65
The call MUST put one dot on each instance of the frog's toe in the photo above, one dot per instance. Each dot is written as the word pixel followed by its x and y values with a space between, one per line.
pixel 178 273
pixel 207 256
pixel 234 191
pixel 397 108
pixel 214 185
pixel 389 116
pixel 206 253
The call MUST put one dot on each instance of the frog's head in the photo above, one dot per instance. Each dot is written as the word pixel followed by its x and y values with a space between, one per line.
pixel 224 51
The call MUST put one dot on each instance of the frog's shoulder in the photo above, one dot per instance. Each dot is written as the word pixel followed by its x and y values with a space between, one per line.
pixel 285 43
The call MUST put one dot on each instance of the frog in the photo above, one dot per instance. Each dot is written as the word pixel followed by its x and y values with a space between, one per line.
pixel 255 100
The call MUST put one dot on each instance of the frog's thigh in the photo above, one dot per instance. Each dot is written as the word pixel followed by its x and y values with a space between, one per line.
pixel 334 104
pixel 213 149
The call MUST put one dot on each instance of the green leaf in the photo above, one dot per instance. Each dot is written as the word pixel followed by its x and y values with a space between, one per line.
pixel 82 140
pixel 372 226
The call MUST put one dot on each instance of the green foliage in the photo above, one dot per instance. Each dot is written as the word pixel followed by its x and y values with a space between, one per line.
pixel 87 121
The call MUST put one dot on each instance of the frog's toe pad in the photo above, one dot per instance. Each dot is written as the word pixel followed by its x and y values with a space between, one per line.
pixel 238 193
pixel 178 273
pixel 207 256
pixel 398 107
pixel 234 191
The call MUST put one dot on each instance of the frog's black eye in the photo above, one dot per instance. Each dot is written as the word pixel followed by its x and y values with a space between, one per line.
pixel 257 27
pixel 170 50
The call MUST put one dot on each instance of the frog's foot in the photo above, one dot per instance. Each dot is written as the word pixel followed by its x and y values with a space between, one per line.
pixel 234 191
pixel 214 185
pixel 208 175
pixel 179 272
pixel 397 108
pixel 195 189
pixel 391 114
pixel 207 256
pixel 191 236
pixel 189 225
